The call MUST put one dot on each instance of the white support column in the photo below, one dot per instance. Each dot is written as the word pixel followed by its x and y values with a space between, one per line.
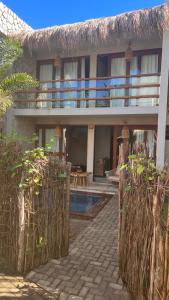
pixel 162 116
pixel 90 150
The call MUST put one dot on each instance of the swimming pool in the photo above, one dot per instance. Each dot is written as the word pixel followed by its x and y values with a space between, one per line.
pixel 86 204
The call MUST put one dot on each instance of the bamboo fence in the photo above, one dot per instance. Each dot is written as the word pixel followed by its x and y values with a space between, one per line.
pixel 34 222
pixel 144 235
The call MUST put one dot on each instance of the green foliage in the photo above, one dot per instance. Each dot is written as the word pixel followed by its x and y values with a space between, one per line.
pixel 15 138
pixel 10 51
pixel 31 165
pixel 141 170
pixel 17 81
pixel 27 166
pixel 50 144
pixel 5 102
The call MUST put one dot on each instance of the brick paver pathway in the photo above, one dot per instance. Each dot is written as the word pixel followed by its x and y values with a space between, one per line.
pixel 90 271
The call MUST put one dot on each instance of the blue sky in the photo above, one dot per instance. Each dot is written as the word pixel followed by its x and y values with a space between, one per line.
pixel 44 13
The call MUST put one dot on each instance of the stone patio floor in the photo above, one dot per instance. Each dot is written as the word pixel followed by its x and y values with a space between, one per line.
pixel 90 271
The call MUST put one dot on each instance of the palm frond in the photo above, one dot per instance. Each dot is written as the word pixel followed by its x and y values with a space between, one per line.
pixel 18 81
pixel 5 102
pixel 10 51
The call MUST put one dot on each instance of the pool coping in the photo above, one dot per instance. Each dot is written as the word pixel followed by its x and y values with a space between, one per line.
pixel 93 191
pixel 94 211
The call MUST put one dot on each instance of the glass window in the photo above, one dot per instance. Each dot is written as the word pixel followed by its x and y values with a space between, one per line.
pixel 57 85
pixel 134 66
pixel 143 141
pixel 51 140
pixel 134 81
pixel 118 68
pixel 47 139
pixel 70 72
pixel 45 74
pixel 149 64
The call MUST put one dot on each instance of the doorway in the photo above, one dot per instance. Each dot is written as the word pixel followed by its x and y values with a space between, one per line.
pixel 103 151
pixel 76 146
pixel 70 144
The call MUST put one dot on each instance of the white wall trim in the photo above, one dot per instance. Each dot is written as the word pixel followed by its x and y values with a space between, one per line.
pixel 87 111
pixel 90 150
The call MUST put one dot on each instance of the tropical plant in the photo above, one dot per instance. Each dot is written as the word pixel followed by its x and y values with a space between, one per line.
pixel 10 51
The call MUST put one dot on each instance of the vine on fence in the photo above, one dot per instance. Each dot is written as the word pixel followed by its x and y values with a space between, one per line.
pixel 144 229
pixel 34 206
pixel 32 165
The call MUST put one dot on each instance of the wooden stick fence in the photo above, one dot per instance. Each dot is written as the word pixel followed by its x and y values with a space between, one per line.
pixel 144 234
pixel 34 222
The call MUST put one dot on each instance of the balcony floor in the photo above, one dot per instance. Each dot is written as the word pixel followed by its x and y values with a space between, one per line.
pixel 87 111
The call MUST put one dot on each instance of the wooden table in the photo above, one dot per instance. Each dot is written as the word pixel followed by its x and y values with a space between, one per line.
pixel 79 178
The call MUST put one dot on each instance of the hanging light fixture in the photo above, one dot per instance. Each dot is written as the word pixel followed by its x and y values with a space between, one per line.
pixel 58 131
pixel 129 53
pixel 57 61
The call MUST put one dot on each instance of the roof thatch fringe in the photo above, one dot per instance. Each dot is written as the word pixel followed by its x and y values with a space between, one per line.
pixel 97 32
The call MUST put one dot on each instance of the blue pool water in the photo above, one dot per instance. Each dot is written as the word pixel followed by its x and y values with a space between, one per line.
pixel 82 203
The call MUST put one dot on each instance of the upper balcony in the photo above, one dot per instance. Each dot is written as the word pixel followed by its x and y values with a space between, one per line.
pixel 92 96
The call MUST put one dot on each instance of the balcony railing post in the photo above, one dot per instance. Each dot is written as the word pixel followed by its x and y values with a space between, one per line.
pixel 95 92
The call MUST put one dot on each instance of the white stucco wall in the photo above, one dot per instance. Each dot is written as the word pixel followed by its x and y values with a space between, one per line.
pixel 119 45
pixel 162 116
pixel 23 127
pixel 90 149
pixel 9 22
pixel 102 120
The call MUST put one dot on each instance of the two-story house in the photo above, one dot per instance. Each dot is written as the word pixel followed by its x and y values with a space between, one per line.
pixel 96 78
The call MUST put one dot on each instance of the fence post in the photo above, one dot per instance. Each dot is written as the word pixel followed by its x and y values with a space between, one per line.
pixel 166 258
pixel 123 155
pixel 21 244
pixel 155 243
pixel 67 216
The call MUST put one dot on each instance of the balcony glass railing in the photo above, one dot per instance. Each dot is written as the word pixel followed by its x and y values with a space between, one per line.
pixel 136 90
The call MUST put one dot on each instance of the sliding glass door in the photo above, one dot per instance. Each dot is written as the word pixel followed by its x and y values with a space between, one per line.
pixel 144 65
pixel 143 141
pixel 128 76
pixel 70 74
pixel 118 69
pixel 48 139
pixel 45 75
pixel 67 76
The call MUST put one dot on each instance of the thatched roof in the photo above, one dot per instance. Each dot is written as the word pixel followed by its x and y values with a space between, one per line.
pixel 137 24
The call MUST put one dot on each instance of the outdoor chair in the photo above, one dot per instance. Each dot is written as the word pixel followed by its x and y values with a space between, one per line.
pixel 113 176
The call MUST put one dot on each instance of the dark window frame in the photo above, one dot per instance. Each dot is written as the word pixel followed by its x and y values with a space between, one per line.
pixel 63 60
pixel 138 53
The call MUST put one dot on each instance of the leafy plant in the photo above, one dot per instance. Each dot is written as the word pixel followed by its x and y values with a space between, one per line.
pixel 139 167
pixel 31 165
pixel 10 51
